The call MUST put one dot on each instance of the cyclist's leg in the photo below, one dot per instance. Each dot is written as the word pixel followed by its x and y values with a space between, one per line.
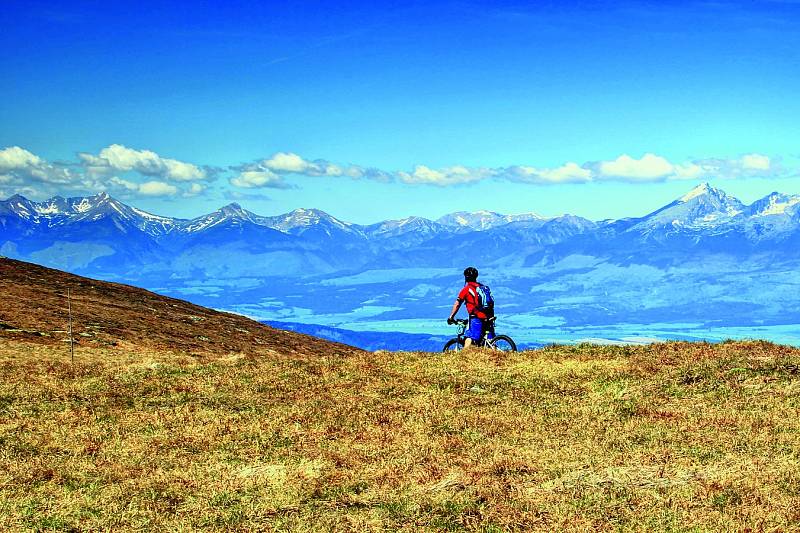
pixel 474 332
pixel 490 330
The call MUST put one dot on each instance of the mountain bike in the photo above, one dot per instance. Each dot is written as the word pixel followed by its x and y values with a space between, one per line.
pixel 502 343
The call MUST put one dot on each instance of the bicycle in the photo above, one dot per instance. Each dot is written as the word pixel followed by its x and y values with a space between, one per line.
pixel 502 343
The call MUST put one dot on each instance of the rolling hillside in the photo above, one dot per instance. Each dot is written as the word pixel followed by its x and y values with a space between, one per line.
pixel 112 316
pixel 175 417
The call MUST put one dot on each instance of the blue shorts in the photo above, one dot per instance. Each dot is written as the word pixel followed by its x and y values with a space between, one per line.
pixel 476 328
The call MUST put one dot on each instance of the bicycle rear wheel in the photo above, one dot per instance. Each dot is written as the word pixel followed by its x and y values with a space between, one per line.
pixel 453 345
pixel 503 343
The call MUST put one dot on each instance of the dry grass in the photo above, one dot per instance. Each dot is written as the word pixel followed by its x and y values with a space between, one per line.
pixel 668 437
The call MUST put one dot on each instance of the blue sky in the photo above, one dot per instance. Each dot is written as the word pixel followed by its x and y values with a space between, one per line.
pixel 381 110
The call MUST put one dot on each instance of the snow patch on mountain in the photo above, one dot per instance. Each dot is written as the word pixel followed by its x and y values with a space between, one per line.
pixel 773 204
pixel 304 218
pixel 83 206
pixel 700 190
pixel 48 209
pixel 483 220
pixel 394 228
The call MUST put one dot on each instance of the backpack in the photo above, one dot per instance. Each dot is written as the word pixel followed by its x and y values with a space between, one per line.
pixel 483 299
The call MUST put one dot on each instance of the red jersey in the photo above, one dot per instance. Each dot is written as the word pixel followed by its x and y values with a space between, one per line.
pixel 469 296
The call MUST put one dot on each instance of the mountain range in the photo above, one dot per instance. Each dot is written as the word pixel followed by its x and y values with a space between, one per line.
pixel 101 236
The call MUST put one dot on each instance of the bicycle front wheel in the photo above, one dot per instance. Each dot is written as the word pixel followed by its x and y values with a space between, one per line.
pixel 454 345
pixel 503 343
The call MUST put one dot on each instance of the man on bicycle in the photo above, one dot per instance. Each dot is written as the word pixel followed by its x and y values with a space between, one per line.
pixel 478 318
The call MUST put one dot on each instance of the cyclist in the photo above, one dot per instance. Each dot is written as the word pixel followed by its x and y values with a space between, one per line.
pixel 478 318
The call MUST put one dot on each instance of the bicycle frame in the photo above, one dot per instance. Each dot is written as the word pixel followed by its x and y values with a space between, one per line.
pixel 462 337
pixel 506 343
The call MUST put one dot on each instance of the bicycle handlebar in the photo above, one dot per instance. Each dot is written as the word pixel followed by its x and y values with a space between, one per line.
pixel 465 322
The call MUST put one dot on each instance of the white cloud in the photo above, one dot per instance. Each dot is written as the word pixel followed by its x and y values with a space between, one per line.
pixel 455 175
pixel 650 167
pixel 357 172
pixel 755 162
pixel 567 173
pixel 195 189
pixel 288 162
pixel 130 172
pixel 157 188
pixel 254 179
pixel 282 163
pixel 747 166
pixel 270 172
pixel 687 171
pixel 14 157
pixel 333 170
pixel 124 184
pixel 21 166
pixel 180 171
pixel 119 158
pixel 148 188
pixel 570 172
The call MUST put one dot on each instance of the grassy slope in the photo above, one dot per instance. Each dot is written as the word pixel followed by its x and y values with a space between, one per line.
pixel 672 436
pixel 33 308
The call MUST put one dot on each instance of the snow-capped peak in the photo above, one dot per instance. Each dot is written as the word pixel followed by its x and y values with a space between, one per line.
pixel 233 210
pixel 54 206
pixel 482 220
pixel 59 211
pixel 700 190
pixel 102 204
pixel 714 199
pixel 304 213
pixel 411 220
pixel 402 226
pixel 21 206
pixel 304 217
pixel 702 207
pixel 773 204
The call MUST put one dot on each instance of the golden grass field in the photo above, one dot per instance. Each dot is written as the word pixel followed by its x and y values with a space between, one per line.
pixel 668 437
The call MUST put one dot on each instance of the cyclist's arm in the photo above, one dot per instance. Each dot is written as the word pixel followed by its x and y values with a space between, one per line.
pixel 456 307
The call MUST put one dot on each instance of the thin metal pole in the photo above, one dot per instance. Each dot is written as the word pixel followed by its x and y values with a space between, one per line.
pixel 71 348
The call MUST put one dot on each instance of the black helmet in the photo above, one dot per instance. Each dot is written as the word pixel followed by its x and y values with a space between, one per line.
pixel 470 274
